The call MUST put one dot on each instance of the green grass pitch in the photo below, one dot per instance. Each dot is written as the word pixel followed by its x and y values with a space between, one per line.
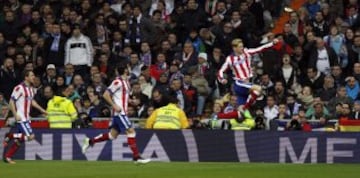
pixel 109 169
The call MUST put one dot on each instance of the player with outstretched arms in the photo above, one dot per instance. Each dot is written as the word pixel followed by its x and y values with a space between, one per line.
pixel 117 95
pixel 20 104
pixel 240 64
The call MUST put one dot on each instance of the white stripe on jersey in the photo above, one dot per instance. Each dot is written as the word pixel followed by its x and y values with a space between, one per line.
pixel 22 96
pixel 120 94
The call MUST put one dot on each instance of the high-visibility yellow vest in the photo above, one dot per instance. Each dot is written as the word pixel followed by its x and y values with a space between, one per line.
pixel 246 124
pixel 61 112
pixel 167 117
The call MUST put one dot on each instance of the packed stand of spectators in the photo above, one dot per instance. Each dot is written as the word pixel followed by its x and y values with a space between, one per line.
pixel 176 48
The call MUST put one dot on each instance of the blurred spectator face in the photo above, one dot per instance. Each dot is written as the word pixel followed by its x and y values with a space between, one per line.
pixel 287 28
pixel 356 68
pixel 2 39
pixel 193 34
pixel 187 79
pixel 165 45
pixel 27 49
pixel 286 59
pixel 37 82
pixel 320 43
pixel 333 30
pixel 85 5
pixel 265 80
pixel 188 48
pixel 192 5
pixel 216 53
pixel 51 72
pixel 60 81
pixel 40 42
pixel 279 87
pixel 78 80
pixel 142 80
pixel 150 110
pixel 176 84
pixel 49 18
pixel 9 16
pixel 351 82
pixel 336 71
pixel 352 11
pixel 99 20
pixel 96 78
pixel 328 82
pixel 172 39
pixel 19 59
pixel 282 109
pixel 318 108
pixel 220 7
pixel 349 34
pixel 29 66
pixel 27 31
pixel 103 58
pixel 233 100
pixel 311 73
pixel 131 111
pixel 69 69
pixel 163 78
pixel 134 59
pixel 346 109
pixel 310 36
pixel 293 17
pixel 235 16
pixel 298 51
pixel 228 28
pixel 117 36
pixel 357 41
pixel 306 91
pixel 136 88
pixel 94 70
pixel 20 40
pixel 174 68
pixel 270 101
pixel 319 17
pixel 65 28
pixel 47 9
pixel 156 17
pixel 341 92
pixel 290 99
pixel 145 47
pixel 56 29
pixel 244 7
pixel 357 106
pixel 76 32
pixel 35 16
pixel 216 19
pixel 90 89
pixel 9 64
pixel 11 50
pixel 73 16
pixel 123 25
pixel 34 37
pixel 156 96
pixel 136 11
pixel 48 92
pixel 217 108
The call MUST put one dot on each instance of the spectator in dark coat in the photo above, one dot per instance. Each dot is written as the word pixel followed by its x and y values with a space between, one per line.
pixel 323 57
pixel 9 77
pixel 55 48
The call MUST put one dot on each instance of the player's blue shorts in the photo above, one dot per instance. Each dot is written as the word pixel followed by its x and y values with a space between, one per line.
pixel 121 122
pixel 241 90
pixel 24 127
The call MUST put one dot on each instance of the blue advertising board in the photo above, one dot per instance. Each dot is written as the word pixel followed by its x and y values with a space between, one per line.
pixel 197 146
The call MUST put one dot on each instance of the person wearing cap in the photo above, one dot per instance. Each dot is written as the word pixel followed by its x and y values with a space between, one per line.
pixel 49 77
pixel 79 51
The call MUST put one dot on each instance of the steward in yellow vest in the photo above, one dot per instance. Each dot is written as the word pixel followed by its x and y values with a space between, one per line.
pixel 244 122
pixel 61 112
pixel 168 117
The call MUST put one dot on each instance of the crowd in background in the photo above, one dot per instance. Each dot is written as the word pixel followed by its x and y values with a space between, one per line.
pixel 176 48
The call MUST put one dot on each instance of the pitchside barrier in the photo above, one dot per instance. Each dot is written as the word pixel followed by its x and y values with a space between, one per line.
pixel 197 146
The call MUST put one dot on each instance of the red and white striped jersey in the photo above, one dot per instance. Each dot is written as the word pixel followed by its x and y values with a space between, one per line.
pixel 241 64
pixel 120 90
pixel 22 96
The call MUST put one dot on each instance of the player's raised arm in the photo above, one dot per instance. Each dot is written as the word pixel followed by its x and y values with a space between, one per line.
pixel 262 48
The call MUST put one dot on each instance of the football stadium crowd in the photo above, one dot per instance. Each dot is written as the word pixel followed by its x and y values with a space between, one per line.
pixel 175 48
